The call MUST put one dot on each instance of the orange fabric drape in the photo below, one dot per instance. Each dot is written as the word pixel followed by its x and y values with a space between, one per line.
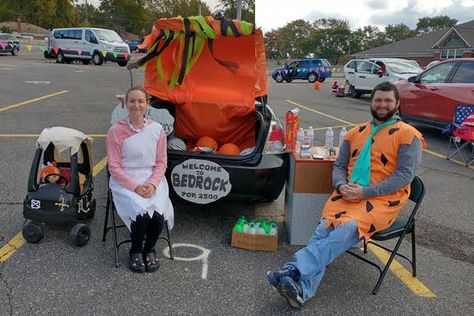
pixel 217 96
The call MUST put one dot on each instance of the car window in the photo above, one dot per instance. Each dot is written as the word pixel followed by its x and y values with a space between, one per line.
pixel 437 74
pixel 325 63
pixel 351 65
pixel 403 67
pixel 90 37
pixel 292 65
pixel 304 64
pixel 108 36
pixel 465 73
pixel 364 67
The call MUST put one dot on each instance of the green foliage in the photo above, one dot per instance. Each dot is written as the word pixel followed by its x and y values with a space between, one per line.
pixel 171 8
pixel 430 24
pixel 228 8
pixel 398 32
pixel 5 29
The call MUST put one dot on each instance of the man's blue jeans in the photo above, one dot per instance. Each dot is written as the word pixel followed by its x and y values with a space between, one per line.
pixel 324 246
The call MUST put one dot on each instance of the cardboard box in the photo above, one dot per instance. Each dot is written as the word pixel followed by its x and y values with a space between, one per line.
pixel 254 242
pixel 292 124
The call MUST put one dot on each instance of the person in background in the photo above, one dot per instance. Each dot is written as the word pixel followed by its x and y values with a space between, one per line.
pixel 371 176
pixel 137 160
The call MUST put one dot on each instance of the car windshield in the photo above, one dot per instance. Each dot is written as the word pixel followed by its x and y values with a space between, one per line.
pixel 325 62
pixel 108 36
pixel 403 67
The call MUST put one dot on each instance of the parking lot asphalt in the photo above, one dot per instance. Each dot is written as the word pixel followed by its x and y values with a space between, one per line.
pixel 55 278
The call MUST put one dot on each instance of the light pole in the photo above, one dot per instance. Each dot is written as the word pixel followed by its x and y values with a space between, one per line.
pixel 239 10
pixel 87 22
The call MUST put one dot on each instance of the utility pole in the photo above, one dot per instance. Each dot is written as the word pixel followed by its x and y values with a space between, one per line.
pixel 199 8
pixel 239 10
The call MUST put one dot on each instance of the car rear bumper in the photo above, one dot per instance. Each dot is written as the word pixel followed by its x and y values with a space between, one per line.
pixel 263 181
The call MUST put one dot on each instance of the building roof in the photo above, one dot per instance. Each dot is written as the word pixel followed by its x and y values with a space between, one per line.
pixel 421 45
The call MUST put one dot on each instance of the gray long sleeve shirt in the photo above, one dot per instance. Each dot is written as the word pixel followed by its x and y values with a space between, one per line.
pixel 408 159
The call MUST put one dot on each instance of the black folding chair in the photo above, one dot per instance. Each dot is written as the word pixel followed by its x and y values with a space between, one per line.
pixel 110 209
pixel 399 229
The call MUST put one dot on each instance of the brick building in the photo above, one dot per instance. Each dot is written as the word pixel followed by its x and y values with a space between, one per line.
pixel 456 41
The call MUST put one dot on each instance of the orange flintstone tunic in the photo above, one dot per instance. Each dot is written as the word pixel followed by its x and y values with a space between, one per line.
pixel 378 212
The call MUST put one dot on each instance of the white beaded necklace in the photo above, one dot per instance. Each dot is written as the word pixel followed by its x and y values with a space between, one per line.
pixel 137 130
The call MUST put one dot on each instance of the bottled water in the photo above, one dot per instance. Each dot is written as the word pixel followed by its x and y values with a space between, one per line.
pixel 310 135
pixel 329 138
pixel 273 228
pixel 299 139
pixel 342 134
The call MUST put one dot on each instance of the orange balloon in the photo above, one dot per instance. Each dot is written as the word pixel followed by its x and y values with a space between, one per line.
pixel 229 149
pixel 207 141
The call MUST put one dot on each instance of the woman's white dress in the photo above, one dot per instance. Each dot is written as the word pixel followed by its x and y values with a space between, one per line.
pixel 138 161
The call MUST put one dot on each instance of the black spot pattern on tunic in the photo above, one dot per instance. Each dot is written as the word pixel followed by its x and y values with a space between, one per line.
pixel 340 214
pixel 361 128
pixel 368 206
pixel 336 197
pixel 383 159
pixel 372 228
pixel 406 191
pixel 373 141
pixel 393 130
pixel 393 203
pixel 354 153
pixel 389 222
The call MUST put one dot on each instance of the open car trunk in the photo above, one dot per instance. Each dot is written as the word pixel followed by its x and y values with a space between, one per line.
pixel 211 77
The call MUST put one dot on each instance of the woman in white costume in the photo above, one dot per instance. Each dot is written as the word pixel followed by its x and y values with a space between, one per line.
pixel 137 159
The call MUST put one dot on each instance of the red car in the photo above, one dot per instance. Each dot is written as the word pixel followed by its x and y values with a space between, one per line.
pixel 430 97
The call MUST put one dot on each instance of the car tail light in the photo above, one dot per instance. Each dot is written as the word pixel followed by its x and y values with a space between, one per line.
pixel 276 139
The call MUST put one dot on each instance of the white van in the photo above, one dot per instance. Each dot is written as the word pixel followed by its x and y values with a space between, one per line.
pixel 364 74
pixel 86 44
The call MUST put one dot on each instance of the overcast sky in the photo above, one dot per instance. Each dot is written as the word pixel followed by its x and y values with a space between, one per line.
pixel 272 14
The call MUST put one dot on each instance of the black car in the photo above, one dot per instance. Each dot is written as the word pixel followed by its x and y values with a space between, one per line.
pixel 9 44
pixel 133 45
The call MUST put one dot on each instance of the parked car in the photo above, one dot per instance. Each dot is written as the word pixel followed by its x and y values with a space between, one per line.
pixel 9 44
pixel 133 45
pixel 364 74
pixel 431 97
pixel 306 69
pixel 86 44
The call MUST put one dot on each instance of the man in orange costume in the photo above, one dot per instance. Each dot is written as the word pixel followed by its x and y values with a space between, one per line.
pixel 371 177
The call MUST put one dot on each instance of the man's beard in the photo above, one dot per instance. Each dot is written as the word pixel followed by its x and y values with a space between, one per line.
pixel 384 118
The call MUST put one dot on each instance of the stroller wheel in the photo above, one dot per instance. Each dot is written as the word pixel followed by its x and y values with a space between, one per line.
pixel 80 235
pixel 91 212
pixel 32 232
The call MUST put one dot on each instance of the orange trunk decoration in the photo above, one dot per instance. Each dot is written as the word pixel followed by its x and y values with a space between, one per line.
pixel 212 78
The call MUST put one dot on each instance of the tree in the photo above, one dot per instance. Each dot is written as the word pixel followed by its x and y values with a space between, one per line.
pixel 431 24
pixel 126 15
pixel 330 38
pixel 398 32
pixel 292 36
pixel 91 12
pixel 228 8
pixel 172 8
pixel 366 38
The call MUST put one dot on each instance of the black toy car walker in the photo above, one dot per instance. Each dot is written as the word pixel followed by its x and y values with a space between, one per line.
pixel 60 193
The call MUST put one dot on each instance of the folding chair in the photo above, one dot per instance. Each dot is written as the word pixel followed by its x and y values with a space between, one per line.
pixel 110 208
pixel 461 134
pixel 399 229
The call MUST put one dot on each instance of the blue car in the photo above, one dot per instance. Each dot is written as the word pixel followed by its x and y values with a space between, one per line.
pixel 133 45
pixel 9 44
pixel 306 69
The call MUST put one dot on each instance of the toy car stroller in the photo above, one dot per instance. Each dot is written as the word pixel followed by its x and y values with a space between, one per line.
pixel 60 188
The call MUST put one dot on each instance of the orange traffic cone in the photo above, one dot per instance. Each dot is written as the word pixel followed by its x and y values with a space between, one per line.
pixel 317 85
